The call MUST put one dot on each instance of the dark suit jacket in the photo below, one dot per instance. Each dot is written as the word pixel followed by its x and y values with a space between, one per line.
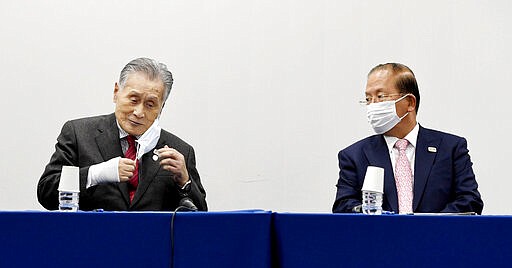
pixel 88 141
pixel 443 180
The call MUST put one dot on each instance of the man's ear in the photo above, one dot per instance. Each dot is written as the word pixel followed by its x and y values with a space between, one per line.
pixel 412 103
pixel 116 89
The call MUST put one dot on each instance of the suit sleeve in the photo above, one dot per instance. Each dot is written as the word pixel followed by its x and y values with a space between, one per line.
pixel 65 155
pixel 467 198
pixel 348 194
pixel 197 192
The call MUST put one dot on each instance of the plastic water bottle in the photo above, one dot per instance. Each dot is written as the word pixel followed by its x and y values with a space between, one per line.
pixel 372 203
pixel 68 201
pixel 373 189
pixel 69 189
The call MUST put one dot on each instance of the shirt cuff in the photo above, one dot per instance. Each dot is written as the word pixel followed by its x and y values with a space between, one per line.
pixel 185 185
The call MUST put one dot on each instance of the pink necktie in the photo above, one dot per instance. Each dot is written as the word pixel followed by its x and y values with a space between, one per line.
pixel 403 178
pixel 130 153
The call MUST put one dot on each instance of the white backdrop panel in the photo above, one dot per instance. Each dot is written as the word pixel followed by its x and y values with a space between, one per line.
pixel 265 91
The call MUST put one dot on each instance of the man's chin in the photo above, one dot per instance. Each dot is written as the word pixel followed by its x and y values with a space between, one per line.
pixel 135 131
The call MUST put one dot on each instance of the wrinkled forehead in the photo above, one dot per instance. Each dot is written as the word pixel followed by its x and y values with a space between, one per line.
pixel 141 83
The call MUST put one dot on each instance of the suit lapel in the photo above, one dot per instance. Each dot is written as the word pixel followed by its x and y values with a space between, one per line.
pixel 149 169
pixel 378 155
pixel 426 152
pixel 110 147
pixel 108 139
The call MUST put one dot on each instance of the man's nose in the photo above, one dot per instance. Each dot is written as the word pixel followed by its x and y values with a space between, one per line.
pixel 139 111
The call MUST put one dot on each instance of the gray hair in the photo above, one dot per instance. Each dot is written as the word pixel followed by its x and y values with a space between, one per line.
pixel 153 69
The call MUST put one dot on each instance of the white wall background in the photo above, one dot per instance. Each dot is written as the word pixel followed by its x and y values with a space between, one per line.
pixel 266 91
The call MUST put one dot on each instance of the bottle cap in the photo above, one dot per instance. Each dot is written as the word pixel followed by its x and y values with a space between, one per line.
pixel 374 179
pixel 69 179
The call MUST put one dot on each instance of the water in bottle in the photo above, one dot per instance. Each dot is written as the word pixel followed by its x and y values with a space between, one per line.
pixel 68 201
pixel 372 203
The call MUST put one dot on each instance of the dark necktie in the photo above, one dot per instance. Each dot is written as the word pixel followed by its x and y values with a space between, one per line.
pixel 131 154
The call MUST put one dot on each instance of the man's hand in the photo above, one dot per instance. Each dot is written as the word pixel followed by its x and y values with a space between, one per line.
pixel 126 169
pixel 173 161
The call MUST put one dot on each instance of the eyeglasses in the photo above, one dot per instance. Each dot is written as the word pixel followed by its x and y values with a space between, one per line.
pixel 379 98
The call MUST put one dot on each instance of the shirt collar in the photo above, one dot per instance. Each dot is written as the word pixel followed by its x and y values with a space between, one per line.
pixel 412 137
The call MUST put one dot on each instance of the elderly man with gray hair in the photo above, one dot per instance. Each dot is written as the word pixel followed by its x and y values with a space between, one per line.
pixel 126 161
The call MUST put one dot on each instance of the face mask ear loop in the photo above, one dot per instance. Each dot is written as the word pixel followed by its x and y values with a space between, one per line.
pixel 138 149
pixel 403 97
pixel 404 116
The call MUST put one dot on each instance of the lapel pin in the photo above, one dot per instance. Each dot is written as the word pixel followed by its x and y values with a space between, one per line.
pixel 432 149
pixel 155 155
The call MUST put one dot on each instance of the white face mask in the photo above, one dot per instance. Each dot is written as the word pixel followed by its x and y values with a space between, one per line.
pixel 149 139
pixel 382 115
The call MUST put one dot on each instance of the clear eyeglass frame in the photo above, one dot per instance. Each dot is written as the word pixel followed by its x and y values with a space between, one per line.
pixel 379 98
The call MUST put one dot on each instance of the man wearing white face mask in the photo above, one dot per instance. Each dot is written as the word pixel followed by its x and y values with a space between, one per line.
pixel 424 170
pixel 126 161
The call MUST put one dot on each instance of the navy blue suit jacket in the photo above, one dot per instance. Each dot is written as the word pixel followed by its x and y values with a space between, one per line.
pixel 443 180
